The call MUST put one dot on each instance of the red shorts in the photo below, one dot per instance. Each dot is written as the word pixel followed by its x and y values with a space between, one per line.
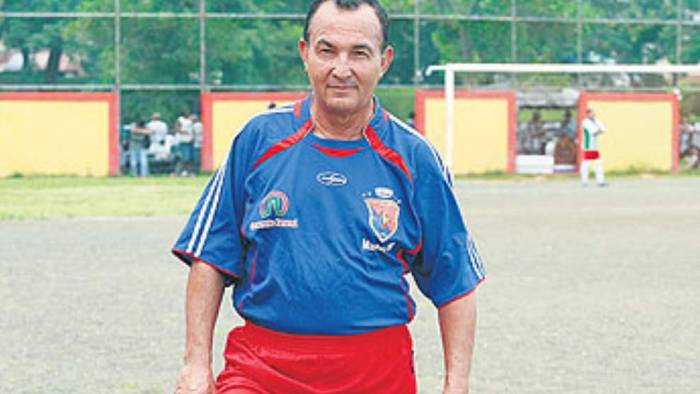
pixel 591 155
pixel 262 361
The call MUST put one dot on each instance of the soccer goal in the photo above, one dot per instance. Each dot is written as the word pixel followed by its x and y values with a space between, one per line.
pixel 643 121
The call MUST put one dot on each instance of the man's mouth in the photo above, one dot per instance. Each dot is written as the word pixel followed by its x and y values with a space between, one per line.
pixel 342 87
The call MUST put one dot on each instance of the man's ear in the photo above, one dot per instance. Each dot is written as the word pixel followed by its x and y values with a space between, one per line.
pixel 387 58
pixel 303 51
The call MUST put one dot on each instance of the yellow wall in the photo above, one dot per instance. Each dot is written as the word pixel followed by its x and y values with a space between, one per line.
pixel 638 134
pixel 480 133
pixel 54 137
pixel 228 117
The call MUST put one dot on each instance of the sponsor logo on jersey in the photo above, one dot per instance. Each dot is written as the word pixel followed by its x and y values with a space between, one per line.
pixel 330 178
pixel 372 247
pixel 383 213
pixel 275 203
pixel 271 209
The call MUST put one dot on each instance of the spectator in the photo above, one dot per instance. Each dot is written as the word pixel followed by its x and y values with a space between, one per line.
pixel 686 137
pixel 532 140
pixel 159 129
pixel 124 135
pixel 139 141
pixel 198 130
pixel 568 125
pixel 693 151
pixel 162 151
pixel 184 134
pixel 693 157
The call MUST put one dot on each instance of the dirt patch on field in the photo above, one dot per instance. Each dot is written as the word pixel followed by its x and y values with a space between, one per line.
pixel 589 290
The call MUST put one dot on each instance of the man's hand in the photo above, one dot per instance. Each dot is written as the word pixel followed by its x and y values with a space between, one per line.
pixel 204 289
pixel 455 390
pixel 195 379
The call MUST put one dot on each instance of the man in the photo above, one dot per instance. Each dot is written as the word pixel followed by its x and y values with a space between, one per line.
pixel 316 216
pixel 690 134
pixel 184 132
pixel 198 131
pixel 159 129
pixel 535 135
pixel 568 125
pixel 139 142
pixel 592 129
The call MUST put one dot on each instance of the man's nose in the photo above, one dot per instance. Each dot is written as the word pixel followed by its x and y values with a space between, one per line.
pixel 342 68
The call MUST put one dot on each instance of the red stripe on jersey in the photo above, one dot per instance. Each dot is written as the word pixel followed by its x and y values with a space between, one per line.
pixel 416 249
pixel 399 255
pixel 285 143
pixel 459 297
pixel 411 313
pixel 386 152
pixel 192 259
pixel 336 152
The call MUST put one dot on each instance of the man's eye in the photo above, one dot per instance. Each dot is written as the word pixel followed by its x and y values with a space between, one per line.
pixel 362 54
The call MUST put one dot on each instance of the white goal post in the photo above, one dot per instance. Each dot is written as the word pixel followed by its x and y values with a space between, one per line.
pixel 532 68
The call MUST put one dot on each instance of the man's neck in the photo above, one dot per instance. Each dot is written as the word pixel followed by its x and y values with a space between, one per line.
pixel 340 126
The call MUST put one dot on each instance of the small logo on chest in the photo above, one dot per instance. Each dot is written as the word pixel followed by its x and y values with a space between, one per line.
pixel 330 178
pixel 271 209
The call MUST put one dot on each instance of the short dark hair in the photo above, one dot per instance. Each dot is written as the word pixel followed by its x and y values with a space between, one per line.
pixel 352 5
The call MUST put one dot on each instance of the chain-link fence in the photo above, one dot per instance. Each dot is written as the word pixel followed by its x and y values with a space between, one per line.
pixel 160 54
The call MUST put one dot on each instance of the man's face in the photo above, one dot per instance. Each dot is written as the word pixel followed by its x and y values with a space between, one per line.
pixel 343 57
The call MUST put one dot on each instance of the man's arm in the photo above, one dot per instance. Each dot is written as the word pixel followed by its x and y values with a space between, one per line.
pixel 457 325
pixel 205 287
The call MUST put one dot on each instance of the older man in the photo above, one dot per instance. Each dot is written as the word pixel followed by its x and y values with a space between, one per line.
pixel 316 217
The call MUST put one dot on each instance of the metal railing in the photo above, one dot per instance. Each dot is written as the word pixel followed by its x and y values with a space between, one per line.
pixel 416 16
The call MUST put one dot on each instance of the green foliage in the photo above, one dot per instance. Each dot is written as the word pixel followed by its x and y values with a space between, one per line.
pixel 254 52
pixel 398 101
pixel 262 53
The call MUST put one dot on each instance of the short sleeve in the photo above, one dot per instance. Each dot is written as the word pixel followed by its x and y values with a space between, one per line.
pixel 211 234
pixel 448 266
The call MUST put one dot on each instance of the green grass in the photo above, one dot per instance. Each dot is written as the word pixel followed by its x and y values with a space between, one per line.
pixel 69 197
pixel 61 197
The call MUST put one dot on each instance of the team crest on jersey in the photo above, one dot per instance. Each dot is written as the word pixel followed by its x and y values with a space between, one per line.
pixel 383 214
pixel 272 209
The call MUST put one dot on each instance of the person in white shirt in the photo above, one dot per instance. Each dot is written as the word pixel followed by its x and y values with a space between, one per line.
pixel 159 129
pixel 198 131
pixel 184 131
pixel 592 129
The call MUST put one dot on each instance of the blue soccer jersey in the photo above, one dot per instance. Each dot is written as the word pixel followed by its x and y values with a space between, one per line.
pixel 318 235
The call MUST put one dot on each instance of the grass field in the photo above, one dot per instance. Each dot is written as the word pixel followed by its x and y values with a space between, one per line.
pixel 73 197
pixel 54 197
